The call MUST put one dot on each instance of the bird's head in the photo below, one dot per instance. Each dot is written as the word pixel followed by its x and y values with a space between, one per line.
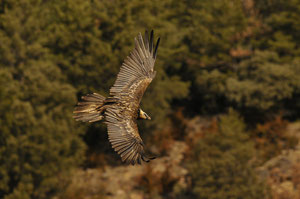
pixel 143 115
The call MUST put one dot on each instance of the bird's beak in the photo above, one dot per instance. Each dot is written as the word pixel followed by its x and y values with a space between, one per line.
pixel 148 117
pixel 143 115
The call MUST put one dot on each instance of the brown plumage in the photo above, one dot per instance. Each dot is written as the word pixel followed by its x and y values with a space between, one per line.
pixel 122 108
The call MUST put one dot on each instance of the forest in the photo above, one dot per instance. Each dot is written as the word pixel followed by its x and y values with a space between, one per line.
pixel 225 103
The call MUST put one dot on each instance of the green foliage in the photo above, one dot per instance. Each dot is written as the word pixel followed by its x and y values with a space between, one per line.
pixel 213 55
pixel 237 57
pixel 281 31
pixel 90 40
pixel 39 140
pixel 211 30
pixel 220 165
pixel 48 48
pixel 212 26
pixel 261 82
pixel 74 40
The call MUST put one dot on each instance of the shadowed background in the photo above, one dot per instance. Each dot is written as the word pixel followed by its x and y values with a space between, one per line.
pixel 224 105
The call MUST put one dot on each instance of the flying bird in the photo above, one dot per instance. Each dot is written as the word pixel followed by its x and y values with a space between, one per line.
pixel 121 109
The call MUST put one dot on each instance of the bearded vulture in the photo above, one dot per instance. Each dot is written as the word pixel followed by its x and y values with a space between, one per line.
pixel 121 109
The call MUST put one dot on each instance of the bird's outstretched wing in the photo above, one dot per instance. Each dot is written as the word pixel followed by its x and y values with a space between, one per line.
pixel 135 75
pixel 137 71
pixel 124 137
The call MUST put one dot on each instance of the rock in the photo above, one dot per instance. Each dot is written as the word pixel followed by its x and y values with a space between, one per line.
pixel 282 172
pixel 124 182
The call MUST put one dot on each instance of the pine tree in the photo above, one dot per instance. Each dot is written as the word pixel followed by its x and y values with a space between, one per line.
pixel 220 166
pixel 262 82
pixel 39 141
pixel 229 50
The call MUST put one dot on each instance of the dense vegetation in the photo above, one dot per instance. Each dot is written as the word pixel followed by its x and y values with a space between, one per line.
pixel 236 58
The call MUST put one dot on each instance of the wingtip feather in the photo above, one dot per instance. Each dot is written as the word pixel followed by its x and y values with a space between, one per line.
pixel 156 47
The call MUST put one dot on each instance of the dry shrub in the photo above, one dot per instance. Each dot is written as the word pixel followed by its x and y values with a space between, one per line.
pixel 179 124
pixel 194 134
pixel 283 195
pixel 84 186
pixel 163 140
pixel 240 53
pixel 284 184
pixel 272 137
pixel 156 182
pixel 173 129
pixel 95 159
pixel 296 177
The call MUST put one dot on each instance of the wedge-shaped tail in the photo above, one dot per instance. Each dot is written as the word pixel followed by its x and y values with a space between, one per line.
pixel 89 109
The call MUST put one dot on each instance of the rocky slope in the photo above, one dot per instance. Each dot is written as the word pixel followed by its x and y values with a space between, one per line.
pixel 166 175
pixel 282 173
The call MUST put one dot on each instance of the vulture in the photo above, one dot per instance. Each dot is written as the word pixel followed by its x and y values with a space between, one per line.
pixel 121 109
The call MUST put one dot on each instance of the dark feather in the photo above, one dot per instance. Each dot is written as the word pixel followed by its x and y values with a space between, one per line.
pixel 151 42
pixel 155 51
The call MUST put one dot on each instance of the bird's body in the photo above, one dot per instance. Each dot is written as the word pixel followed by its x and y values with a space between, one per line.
pixel 122 108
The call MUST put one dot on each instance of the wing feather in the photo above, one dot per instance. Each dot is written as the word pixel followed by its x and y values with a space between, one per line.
pixel 124 137
pixel 136 73
pixel 138 65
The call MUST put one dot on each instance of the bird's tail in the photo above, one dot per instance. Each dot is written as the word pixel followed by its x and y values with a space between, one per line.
pixel 89 109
